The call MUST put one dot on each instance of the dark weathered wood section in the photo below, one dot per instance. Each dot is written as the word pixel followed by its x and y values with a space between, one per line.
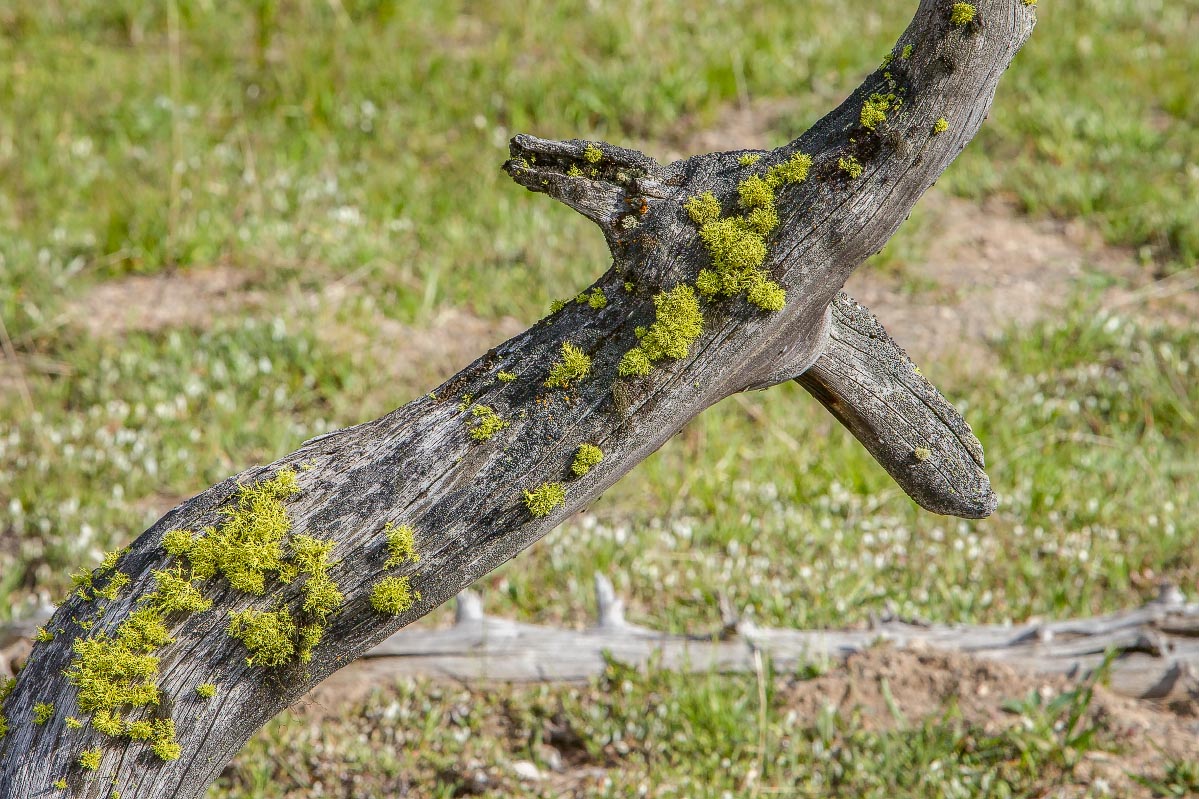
pixel 419 466
pixel 1156 646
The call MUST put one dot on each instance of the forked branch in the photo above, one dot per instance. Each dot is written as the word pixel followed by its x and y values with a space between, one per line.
pixel 724 270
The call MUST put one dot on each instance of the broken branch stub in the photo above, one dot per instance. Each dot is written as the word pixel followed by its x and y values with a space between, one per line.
pixel 724 269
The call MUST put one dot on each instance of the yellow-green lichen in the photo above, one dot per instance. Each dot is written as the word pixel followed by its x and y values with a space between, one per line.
pixel 850 166
pixel 592 154
pixel 313 557
pixel 43 712
pixel 922 453
pixel 737 243
pixel 907 52
pixel 269 635
pixel 3 725
pixel 677 324
pixel 90 759
pixel 586 457
pixel 486 422
pixel 635 363
pixel 111 673
pixel 165 745
pixel 940 126
pixel 140 730
pixel 60 784
pixel 874 110
pixel 401 545
pixel 109 723
pixel 574 171
pixel 961 14
pixel 544 498
pixel 557 305
pixel 575 365
pixel 74 723
pixel 703 208
pixel 248 545
pixel 506 377
pixel 598 300
pixel 393 595
pixel 749 159
pixel 112 589
pixel 206 690
pixel 176 593
pixel 177 542
pixel 43 636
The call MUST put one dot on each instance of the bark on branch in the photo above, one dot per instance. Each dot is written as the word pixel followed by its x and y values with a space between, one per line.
pixel 455 465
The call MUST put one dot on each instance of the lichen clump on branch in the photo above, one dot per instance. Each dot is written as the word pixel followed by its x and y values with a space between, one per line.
pixel 544 498
pixel 678 323
pixel 575 365
pixel 737 243
pixel 586 457
pixel 393 595
pixel 961 14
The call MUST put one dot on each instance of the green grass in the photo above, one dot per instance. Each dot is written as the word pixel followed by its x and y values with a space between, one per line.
pixel 667 734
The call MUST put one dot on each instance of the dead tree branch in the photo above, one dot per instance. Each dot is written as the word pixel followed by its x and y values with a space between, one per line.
pixel 694 313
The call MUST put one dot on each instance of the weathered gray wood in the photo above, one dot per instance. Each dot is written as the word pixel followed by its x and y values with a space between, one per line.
pixel 1157 647
pixel 418 465
pixel 874 389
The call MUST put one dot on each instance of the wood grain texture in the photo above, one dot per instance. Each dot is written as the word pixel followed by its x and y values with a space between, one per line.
pixel 418 465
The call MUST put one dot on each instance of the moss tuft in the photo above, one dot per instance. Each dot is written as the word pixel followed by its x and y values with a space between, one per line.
pixel 598 300
pixel 874 110
pixel 634 363
pixel 703 208
pixel 677 324
pixel 177 542
pixel 267 634
pixel 249 544
pixel 592 154
pixel 401 545
pixel 90 759
pixel 175 593
pixel 486 422
pixel 206 690
pixel 586 457
pixel 43 712
pixel 575 365
pixel 111 673
pixel 961 14
pixel 557 305
pixel 393 595
pixel 165 745
pixel 850 166
pixel 544 498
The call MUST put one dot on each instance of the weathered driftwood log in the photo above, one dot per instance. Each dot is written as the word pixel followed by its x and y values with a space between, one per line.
pixel 1156 646
pixel 724 267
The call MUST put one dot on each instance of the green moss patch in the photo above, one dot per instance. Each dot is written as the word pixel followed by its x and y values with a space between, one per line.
pixel 586 457
pixel 575 365
pixel 678 323
pixel 544 498
pixel 393 595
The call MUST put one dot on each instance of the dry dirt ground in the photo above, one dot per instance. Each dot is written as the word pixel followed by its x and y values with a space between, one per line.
pixel 990 267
